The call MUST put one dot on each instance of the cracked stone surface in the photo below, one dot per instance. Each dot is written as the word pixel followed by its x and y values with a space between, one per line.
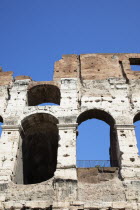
pixel 38 143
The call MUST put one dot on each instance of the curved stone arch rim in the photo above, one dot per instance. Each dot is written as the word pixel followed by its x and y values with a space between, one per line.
pixel 38 112
pixel 136 116
pixel 55 120
pixel 104 111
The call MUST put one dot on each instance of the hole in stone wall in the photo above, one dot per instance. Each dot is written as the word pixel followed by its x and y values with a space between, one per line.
pixel 135 64
pixel 124 135
pixel 132 159
pixel 137 133
pixel 39 147
pixel 96 142
pixel 1 123
pixel 135 67
pixel 137 130
pixel 43 95
pixel 48 104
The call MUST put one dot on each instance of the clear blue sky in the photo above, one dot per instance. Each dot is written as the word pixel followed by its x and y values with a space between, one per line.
pixel 36 33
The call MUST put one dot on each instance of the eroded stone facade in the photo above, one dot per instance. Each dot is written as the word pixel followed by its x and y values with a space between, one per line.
pixel 38 143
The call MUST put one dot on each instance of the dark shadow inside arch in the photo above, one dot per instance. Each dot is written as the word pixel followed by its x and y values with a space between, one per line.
pixel 39 147
pixel 43 94
pixel 137 130
pixel 91 122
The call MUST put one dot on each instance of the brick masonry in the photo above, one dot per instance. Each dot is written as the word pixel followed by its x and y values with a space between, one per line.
pixel 38 143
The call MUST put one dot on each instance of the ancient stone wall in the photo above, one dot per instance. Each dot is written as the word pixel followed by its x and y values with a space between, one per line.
pixel 38 143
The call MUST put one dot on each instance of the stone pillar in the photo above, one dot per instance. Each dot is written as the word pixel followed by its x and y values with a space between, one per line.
pixel 127 151
pixel 66 157
pixel 9 150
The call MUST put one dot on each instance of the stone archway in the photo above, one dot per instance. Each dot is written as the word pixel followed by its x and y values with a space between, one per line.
pixel 39 147
pixel 106 117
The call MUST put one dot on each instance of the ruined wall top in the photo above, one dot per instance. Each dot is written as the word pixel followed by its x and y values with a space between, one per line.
pixel 88 67
pixel 97 66
pixel 38 161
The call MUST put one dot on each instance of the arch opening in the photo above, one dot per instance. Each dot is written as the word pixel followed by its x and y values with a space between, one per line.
pixel 39 147
pixel 137 131
pixel 44 94
pixel 1 123
pixel 96 141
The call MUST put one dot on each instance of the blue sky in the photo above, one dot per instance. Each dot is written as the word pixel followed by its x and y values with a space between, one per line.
pixel 36 33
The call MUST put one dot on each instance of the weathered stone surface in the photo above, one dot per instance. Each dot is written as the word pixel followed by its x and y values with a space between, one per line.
pixel 22 77
pixel 38 143
pixel 96 175
pixel 97 66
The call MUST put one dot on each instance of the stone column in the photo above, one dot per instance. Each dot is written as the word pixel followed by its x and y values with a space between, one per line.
pixel 127 151
pixel 9 151
pixel 66 158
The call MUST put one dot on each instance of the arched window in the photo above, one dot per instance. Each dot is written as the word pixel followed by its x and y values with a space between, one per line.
pixel 39 147
pixel 44 93
pixel 96 141
pixel 137 130
pixel 1 123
